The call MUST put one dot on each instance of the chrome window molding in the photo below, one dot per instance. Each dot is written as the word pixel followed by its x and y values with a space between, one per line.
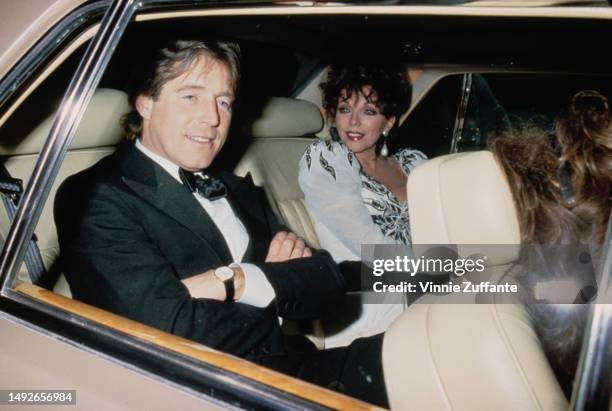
pixel 466 90
pixel 206 381
pixel 29 64
pixel 80 90
pixel 593 377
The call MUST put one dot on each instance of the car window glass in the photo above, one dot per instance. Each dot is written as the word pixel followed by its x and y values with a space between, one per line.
pixel 500 102
pixel 484 116
pixel 21 137
pixel 497 102
pixel 429 127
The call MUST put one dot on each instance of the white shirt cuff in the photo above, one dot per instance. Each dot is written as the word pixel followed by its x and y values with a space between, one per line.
pixel 258 291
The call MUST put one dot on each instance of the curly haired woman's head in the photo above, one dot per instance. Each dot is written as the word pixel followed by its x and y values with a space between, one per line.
pixel 364 103
pixel 539 176
pixel 584 124
pixel 584 133
pixel 530 165
pixel 384 85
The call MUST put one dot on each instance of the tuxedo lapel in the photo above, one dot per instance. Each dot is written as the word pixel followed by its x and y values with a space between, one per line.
pixel 161 190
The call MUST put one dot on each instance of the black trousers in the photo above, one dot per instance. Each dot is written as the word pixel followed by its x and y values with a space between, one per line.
pixel 355 370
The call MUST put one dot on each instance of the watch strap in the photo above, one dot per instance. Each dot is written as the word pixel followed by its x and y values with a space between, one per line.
pixel 230 290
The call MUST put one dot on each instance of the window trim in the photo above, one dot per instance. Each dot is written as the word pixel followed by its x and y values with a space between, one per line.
pixel 466 92
pixel 33 60
pixel 593 378
pixel 72 108
pixel 185 364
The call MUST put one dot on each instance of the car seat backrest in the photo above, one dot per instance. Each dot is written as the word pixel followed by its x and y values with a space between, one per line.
pixel 442 355
pixel 97 134
pixel 464 200
pixel 467 357
pixel 280 137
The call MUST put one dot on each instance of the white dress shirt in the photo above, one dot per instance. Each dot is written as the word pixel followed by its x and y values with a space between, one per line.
pixel 257 289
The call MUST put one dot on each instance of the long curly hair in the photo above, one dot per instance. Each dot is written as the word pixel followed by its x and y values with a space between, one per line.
pixel 534 163
pixel 530 165
pixel 584 134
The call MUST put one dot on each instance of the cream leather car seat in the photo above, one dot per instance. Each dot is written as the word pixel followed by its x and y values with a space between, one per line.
pixel 280 137
pixel 464 200
pixel 96 137
pixel 439 356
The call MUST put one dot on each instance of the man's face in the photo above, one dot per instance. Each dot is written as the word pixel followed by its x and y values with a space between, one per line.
pixel 189 121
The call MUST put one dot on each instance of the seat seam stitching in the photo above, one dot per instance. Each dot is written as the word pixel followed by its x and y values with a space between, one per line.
pixel 515 360
pixel 436 368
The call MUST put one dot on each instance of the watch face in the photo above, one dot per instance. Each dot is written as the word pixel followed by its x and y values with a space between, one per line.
pixel 224 273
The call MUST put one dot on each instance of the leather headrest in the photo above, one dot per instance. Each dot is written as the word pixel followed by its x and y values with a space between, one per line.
pixel 99 126
pixel 464 199
pixel 287 117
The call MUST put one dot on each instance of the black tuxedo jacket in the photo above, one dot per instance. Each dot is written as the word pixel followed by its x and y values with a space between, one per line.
pixel 128 232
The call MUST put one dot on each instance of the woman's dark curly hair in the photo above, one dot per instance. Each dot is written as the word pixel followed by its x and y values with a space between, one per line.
pixel 389 90
pixel 532 165
pixel 584 132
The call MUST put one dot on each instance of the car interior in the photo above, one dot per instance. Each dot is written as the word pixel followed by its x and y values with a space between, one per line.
pixel 452 356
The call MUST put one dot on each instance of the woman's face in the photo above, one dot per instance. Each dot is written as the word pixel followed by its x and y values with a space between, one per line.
pixel 359 122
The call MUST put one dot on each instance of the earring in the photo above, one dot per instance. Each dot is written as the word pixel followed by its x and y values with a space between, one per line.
pixel 384 151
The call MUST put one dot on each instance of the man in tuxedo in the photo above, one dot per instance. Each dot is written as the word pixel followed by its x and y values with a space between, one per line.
pixel 147 234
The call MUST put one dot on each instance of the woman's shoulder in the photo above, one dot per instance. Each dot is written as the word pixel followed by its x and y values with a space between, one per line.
pixel 409 158
pixel 328 155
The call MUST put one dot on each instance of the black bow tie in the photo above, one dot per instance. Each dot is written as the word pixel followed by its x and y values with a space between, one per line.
pixel 208 187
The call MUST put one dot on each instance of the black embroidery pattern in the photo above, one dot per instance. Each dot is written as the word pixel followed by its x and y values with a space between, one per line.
pixel 351 157
pixel 308 157
pixel 327 167
pixel 387 212
pixel 374 186
pixel 407 158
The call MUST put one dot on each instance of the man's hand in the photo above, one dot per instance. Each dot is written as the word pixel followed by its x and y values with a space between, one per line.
pixel 208 285
pixel 286 246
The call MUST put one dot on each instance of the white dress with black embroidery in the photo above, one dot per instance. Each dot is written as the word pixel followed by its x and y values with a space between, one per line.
pixel 348 209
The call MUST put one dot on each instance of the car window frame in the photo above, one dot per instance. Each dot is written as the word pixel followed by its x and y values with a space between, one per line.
pixel 593 378
pixel 29 65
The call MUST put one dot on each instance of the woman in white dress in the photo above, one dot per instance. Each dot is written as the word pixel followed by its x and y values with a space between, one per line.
pixel 355 189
